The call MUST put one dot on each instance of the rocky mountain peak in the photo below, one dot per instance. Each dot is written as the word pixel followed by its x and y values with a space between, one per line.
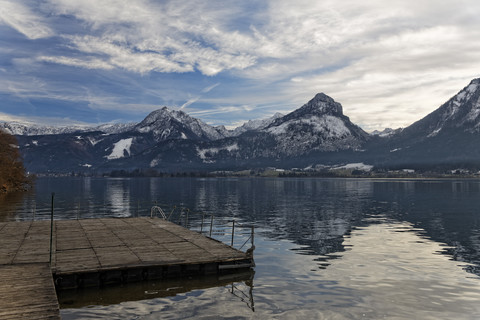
pixel 463 109
pixel 162 114
pixel 175 124
pixel 322 104
pixel 470 91
pixel 475 81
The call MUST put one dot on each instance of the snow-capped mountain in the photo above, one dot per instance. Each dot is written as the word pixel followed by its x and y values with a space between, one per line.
pixel 450 134
pixel 165 124
pixel 318 133
pixel 318 125
pixel 461 112
pixel 24 129
pixel 385 133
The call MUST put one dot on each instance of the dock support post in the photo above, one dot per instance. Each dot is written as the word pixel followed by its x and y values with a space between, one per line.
pixel 51 229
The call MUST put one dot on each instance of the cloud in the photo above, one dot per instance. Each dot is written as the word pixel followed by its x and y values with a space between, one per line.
pixel 88 63
pixel 210 88
pixel 24 20
pixel 189 102
pixel 193 100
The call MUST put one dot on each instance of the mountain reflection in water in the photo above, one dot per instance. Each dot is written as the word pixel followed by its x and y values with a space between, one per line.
pixel 334 248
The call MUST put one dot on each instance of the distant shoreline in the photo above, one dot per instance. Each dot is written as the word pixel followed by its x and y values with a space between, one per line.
pixel 272 174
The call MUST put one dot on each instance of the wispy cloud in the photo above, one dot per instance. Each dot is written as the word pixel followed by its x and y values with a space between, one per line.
pixel 189 102
pixel 210 88
pixel 24 20
pixel 193 100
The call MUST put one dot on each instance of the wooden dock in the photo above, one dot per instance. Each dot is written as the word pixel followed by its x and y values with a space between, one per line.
pixel 92 252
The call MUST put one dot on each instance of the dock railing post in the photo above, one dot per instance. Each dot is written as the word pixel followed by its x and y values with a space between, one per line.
pixel 233 231
pixel 252 236
pixel 211 226
pixel 51 229
pixel 201 228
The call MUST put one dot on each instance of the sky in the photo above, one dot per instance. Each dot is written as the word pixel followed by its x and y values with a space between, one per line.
pixel 389 63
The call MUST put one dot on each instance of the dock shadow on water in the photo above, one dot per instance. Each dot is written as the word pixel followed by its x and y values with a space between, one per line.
pixel 134 300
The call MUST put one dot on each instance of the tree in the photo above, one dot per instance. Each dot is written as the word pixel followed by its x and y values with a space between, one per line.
pixel 12 171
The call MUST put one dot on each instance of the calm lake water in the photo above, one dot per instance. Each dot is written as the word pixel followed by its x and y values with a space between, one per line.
pixel 325 248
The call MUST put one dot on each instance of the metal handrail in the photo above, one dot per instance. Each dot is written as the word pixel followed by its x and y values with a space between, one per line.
pixel 158 209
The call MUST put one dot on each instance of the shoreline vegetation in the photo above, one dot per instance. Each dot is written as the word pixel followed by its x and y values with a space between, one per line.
pixel 13 177
pixel 278 173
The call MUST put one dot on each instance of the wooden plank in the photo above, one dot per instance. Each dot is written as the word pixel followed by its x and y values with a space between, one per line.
pixel 116 256
pixel 27 292
pixel 35 246
pixel 78 260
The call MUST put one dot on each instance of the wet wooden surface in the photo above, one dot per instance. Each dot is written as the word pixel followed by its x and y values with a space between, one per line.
pixel 27 292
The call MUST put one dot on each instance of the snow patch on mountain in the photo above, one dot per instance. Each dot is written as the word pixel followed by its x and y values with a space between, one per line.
pixel 120 148
pixel 204 154
pixel 474 113
pixel 252 125
pixel 113 128
pixel 460 101
pixel 354 166
pixel 467 92
pixel 93 141
pixel 434 132
pixel 154 163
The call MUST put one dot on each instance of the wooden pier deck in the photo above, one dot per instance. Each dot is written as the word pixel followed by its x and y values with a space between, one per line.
pixel 92 252
pixel 27 292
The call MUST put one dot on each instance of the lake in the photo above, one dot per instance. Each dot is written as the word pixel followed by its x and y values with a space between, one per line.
pixel 325 248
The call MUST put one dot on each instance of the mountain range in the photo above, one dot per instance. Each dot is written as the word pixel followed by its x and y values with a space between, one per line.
pixel 316 134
